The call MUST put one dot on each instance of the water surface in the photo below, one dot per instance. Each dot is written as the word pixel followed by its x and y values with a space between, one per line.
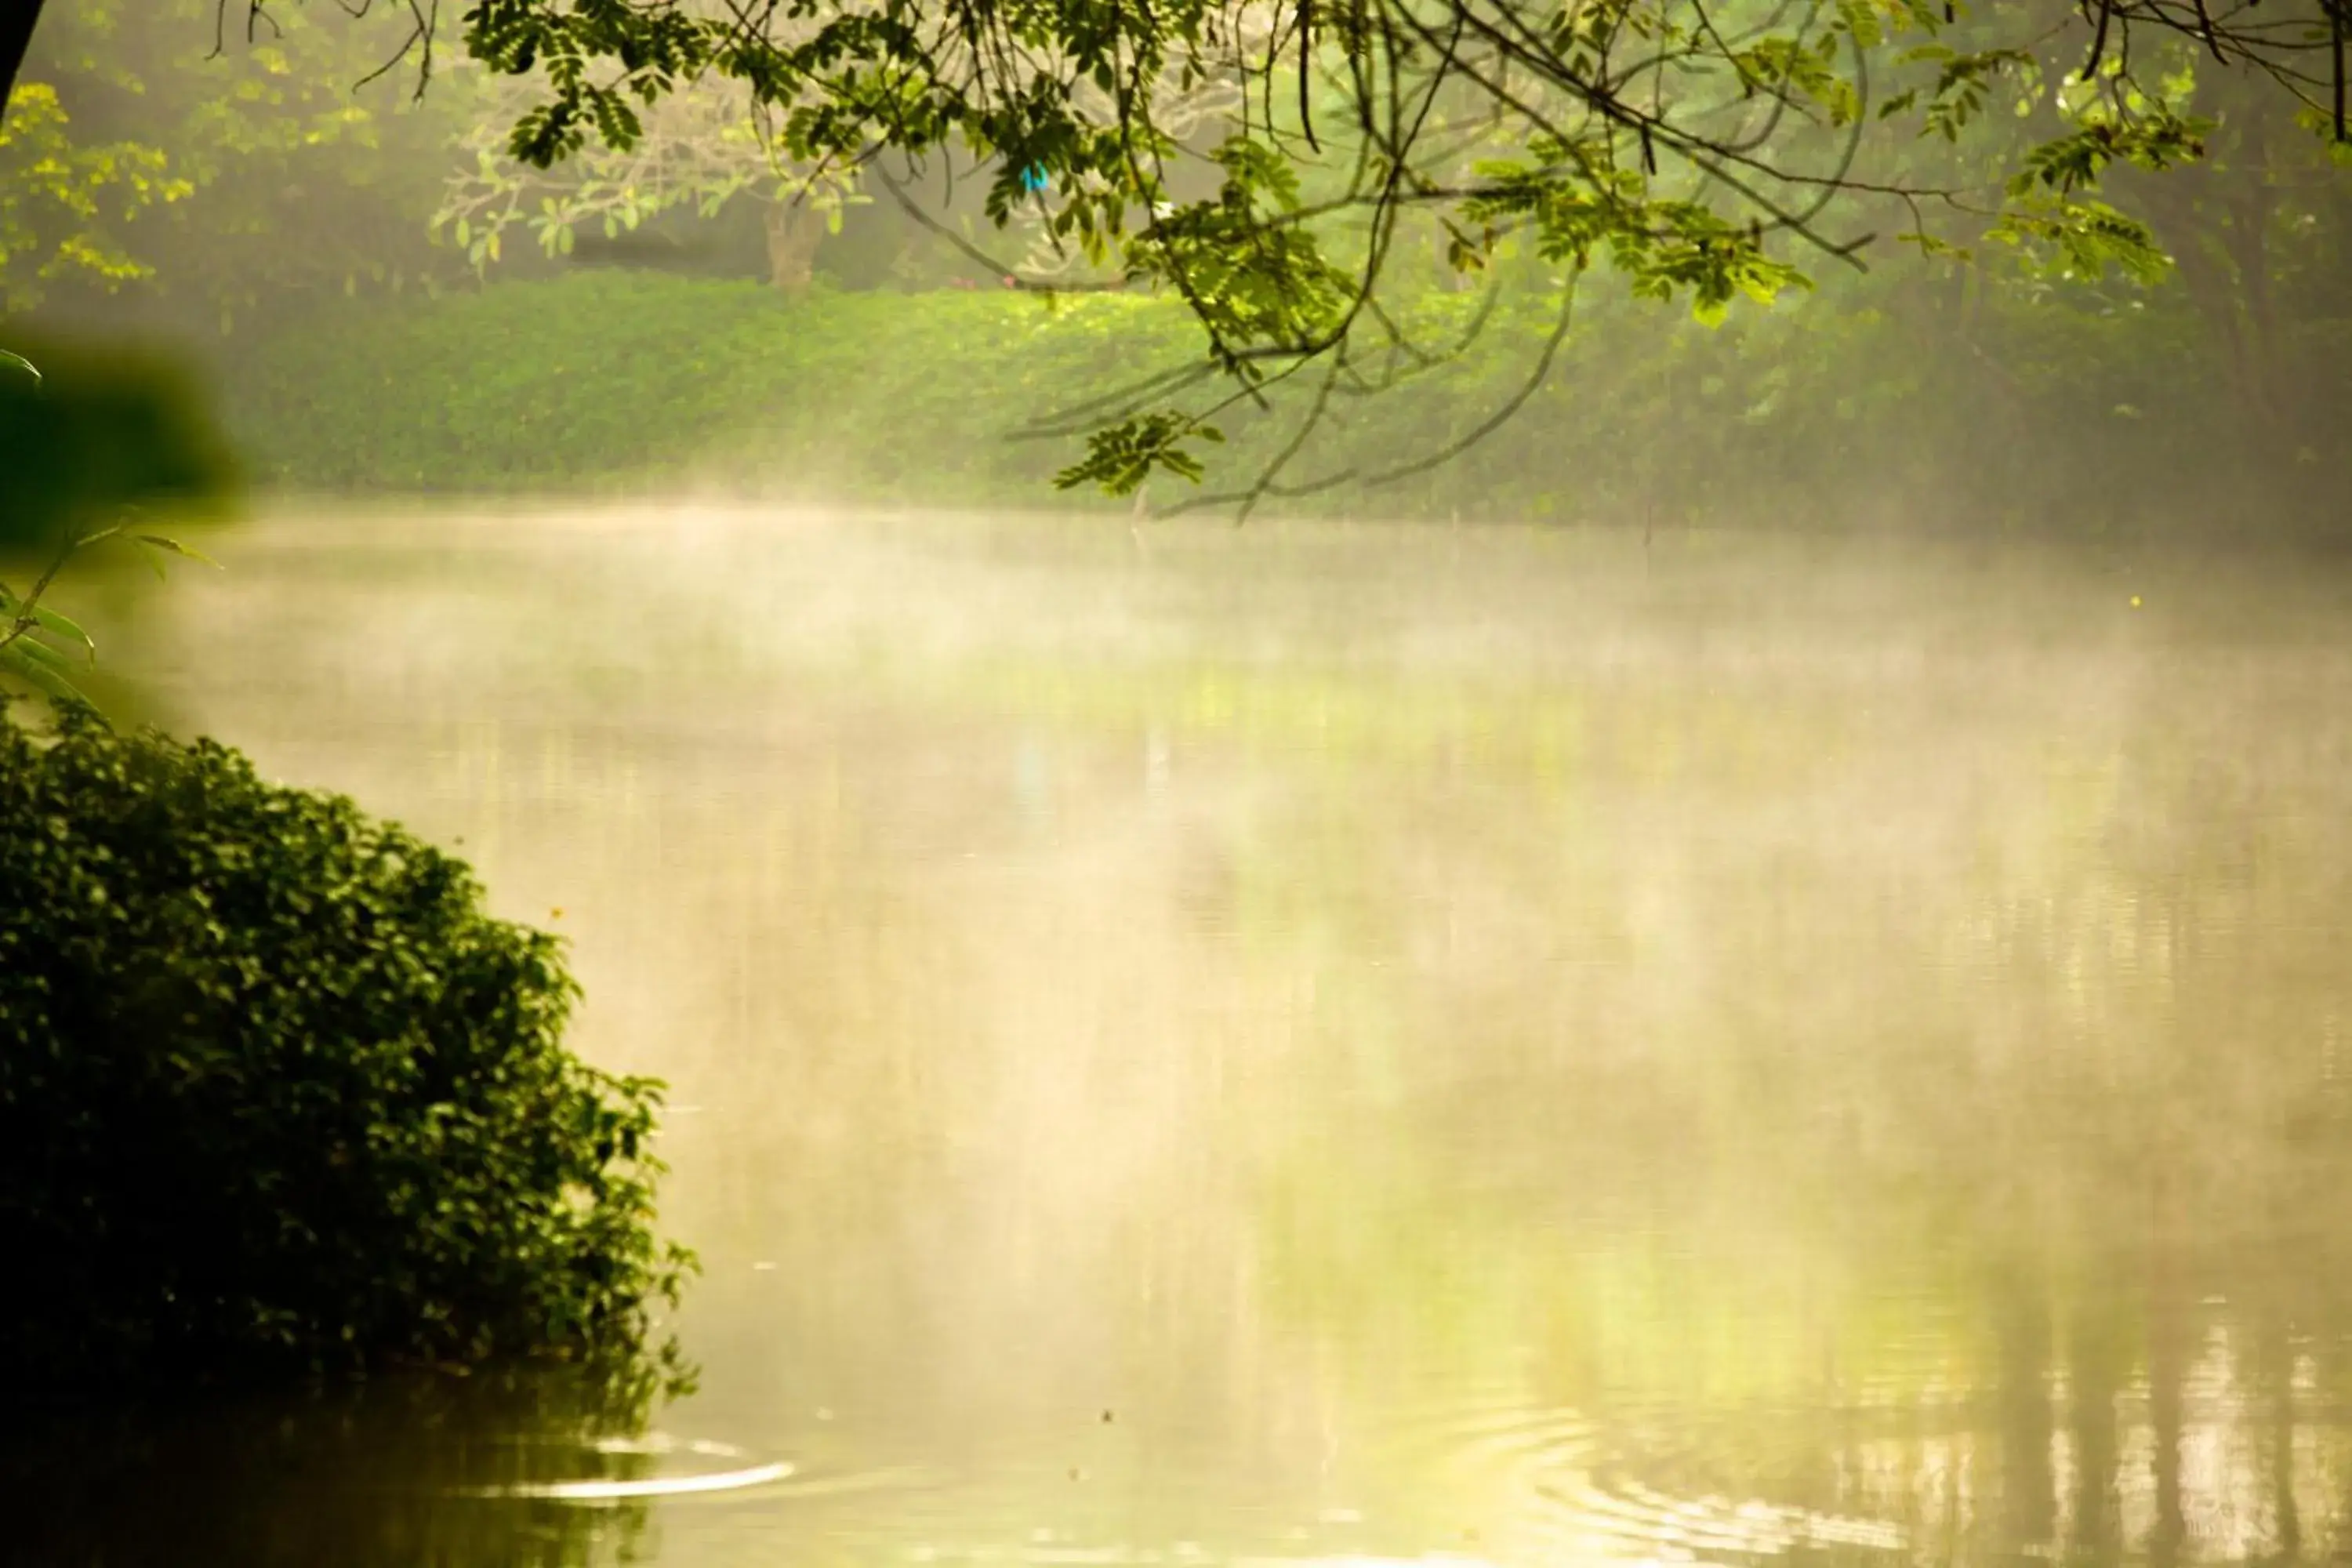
pixel 1348 1046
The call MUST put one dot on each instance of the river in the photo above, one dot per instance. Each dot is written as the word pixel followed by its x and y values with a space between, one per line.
pixel 1341 1046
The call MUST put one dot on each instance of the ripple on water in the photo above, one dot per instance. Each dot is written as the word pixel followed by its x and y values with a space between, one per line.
pixel 1563 1486
pixel 691 1467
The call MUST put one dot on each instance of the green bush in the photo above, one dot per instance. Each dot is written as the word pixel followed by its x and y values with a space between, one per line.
pixel 275 1091
pixel 99 430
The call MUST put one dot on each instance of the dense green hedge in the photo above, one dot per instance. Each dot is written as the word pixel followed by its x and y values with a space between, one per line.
pixel 1885 400
pixel 275 1091
pixel 612 376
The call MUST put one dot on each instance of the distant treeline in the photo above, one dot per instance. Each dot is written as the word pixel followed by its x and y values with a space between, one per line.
pixel 1914 399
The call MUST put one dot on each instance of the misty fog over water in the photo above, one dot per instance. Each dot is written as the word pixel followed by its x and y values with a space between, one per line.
pixel 1318 1044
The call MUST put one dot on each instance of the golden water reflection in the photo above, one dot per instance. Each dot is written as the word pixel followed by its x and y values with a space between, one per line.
pixel 1351 1046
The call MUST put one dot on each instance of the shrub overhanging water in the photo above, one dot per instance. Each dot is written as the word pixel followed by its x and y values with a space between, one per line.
pixel 275 1091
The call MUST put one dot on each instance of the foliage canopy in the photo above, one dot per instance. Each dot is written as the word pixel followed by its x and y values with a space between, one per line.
pixel 151 159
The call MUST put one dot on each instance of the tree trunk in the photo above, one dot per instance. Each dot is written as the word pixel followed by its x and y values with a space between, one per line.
pixel 2216 218
pixel 2206 270
pixel 794 231
pixel 16 19
pixel 2248 239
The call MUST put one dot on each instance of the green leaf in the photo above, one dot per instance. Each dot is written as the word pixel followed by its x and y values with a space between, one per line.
pixel 56 624
pixel 1119 458
pixel 163 541
pixel 21 363
pixel 40 668
pixel 40 653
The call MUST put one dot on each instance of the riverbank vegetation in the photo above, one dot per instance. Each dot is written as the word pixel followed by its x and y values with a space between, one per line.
pixel 1302 180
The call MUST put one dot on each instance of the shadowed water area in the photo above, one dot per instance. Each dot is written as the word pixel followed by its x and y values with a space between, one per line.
pixel 1337 1046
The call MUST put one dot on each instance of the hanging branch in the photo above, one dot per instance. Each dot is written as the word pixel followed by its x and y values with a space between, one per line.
pixel 1143 144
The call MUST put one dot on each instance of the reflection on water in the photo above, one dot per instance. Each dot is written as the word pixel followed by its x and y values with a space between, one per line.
pixel 397 1473
pixel 1351 1047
